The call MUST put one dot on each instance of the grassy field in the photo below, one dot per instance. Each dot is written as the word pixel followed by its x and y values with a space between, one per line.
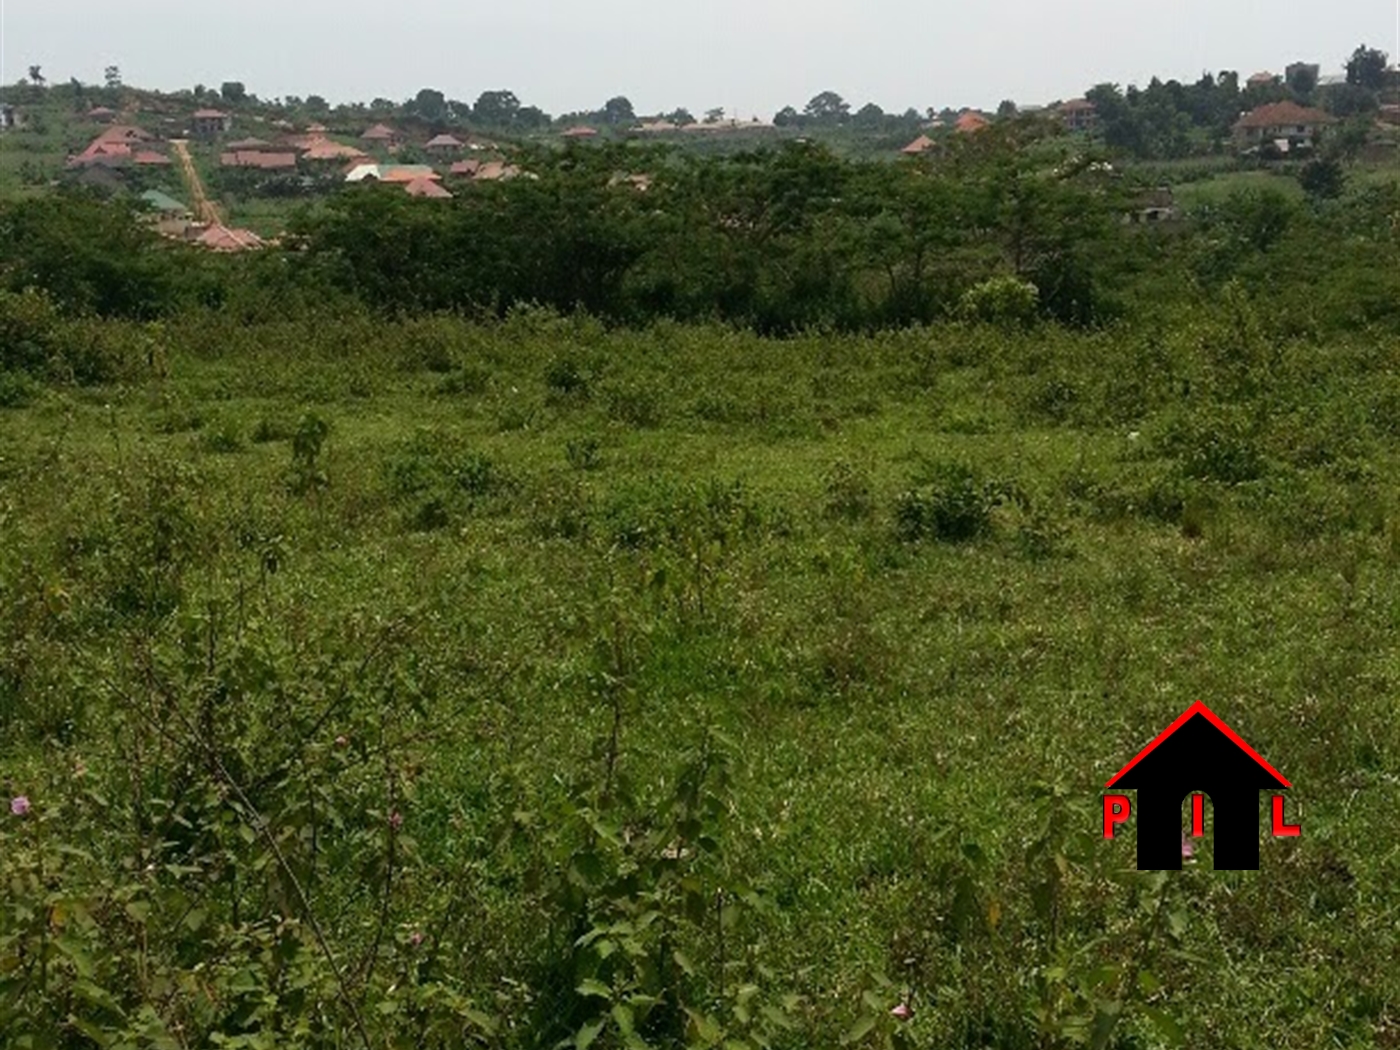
pixel 378 678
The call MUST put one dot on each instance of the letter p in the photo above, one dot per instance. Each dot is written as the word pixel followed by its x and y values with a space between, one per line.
pixel 1116 809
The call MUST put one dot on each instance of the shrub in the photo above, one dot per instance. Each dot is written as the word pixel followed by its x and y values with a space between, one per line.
pixel 635 404
pixel 848 495
pixel 17 389
pixel 953 504
pixel 1006 301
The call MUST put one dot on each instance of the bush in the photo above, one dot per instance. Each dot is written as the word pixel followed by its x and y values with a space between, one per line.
pixel 953 504
pixel 1006 301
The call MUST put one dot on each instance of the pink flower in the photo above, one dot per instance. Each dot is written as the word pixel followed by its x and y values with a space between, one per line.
pixel 342 741
pixel 396 820
pixel 415 938
pixel 902 1012
pixel 19 805
pixel 1187 850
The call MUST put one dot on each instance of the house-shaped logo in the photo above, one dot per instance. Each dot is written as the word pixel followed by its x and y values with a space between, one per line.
pixel 1197 755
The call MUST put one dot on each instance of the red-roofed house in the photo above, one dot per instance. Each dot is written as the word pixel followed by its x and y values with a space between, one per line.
pixel 922 144
pixel 1264 79
pixel 381 135
pixel 260 160
pixel 444 144
pixel 1079 114
pixel 221 238
pixel 581 132
pixel 325 149
pixel 149 158
pixel 1284 124
pixel 102 115
pixel 210 123
pixel 971 121
pixel 465 168
pixel 425 187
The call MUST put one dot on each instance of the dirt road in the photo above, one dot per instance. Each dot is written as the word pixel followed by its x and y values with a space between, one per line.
pixel 205 210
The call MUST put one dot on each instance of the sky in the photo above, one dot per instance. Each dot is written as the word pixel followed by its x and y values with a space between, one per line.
pixel 751 57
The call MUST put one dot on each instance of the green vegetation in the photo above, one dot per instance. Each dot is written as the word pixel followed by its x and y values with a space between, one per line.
pixel 570 615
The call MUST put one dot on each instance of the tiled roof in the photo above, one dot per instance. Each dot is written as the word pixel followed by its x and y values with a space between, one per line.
pixel 380 133
pixel 971 122
pixel 444 142
pixel 255 159
pixel 580 133
pixel 1281 114
pixel 225 239
pixel 919 145
pixel 210 114
pixel 425 187
pixel 149 158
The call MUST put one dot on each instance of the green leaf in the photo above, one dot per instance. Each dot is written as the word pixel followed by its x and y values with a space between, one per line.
pixel 859 1030
pixel 589 1032
pixel 622 1014
pixel 683 961
pixel 1165 1025
pixel 593 986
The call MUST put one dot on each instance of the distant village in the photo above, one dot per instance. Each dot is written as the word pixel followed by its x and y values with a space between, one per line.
pixel 143 148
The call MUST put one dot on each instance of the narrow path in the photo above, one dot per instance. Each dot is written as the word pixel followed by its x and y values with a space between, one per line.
pixel 205 210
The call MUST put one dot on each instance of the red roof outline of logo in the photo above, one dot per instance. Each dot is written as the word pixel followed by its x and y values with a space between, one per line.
pixel 1213 719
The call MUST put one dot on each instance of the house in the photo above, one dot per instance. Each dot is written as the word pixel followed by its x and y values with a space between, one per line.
pixel 381 136
pixel 920 145
pixel 581 132
pixel 444 144
pixel 1286 125
pixel 326 150
pixel 1198 753
pixel 970 122
pixel 465 168
pixel 656 127
pixel 495 171
pixel 1262 80
pixel 258 159
pixel 149 158
pixel 1078 114
pixel 101 115
pixel 8 117
pixel 425 187
pixel 220 238
pixel 163 203
pixel 209 123
pixel 395 173
pixel 248 144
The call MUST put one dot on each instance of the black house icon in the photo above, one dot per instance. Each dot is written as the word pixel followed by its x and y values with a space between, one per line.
pixel 1198 753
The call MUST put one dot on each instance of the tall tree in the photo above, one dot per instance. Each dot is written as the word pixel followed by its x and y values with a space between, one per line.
pixel 112 76
pixel 828 108
pixel 1366 68
pixel 496 108
pixel 618 111
pixel 233 92
pixel 430 104
pixel 36 76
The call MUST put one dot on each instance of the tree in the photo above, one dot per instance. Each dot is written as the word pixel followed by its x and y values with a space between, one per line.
pixel 1007 109
pixel 233 92
pixel 869 115
pixel 36 76
pixel 618 111
pixel 787 117
pixel 496 108
pixel 112 76
pixel 714 115
pixel 828 108
pixel 317 104
pixel 429 104
pixel 1349 100
pixel 680 117
pixel 1366 68
pixel 1303 79
pixel 1322 179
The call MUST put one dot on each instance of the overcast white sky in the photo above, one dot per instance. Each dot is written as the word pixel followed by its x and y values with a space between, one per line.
pixel 749 56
